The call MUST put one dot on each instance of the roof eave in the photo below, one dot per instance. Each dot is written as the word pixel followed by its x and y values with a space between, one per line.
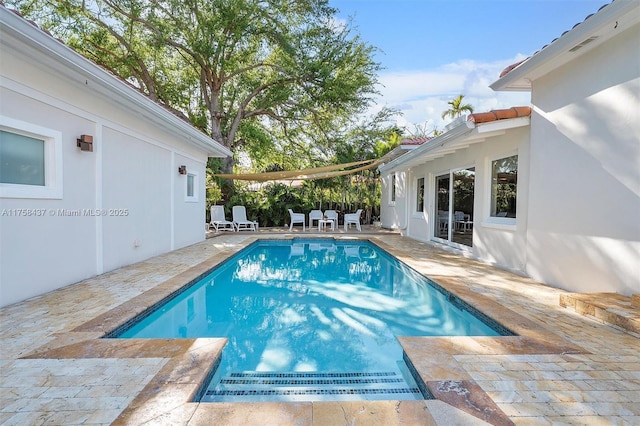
pixel 434 143
pixel 604 24
pixel 109 85
pixel 465 131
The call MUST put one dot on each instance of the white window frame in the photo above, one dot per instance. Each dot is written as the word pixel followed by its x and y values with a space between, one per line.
pixel 432 201
pixel 52 188
pixel 196 187
pixel 505 223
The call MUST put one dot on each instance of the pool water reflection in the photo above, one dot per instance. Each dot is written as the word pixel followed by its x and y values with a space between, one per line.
pixel 310 306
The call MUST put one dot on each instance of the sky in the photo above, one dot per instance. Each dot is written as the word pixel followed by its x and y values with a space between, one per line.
pixel 432 51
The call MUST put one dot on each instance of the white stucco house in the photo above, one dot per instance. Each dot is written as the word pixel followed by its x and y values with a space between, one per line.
pixel 94 175
pixel 553 194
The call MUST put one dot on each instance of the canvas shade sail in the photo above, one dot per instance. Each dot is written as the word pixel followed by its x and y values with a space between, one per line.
pixel 309 174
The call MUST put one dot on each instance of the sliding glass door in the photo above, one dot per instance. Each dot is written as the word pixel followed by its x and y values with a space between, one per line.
pixel 441 224
pixel 454 193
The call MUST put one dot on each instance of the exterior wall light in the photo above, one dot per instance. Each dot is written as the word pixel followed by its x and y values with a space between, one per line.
pixel 85 143
pixel 182 170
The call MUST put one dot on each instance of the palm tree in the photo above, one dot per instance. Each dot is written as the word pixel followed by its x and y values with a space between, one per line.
pixel 456 108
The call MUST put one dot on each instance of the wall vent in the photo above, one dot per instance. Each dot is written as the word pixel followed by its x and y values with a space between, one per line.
pixel 582 44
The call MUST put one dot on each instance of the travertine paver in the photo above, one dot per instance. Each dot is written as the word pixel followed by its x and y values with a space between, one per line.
pixel 565 369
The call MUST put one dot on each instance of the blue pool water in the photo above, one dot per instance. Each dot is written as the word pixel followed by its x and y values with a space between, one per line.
pixel 311 320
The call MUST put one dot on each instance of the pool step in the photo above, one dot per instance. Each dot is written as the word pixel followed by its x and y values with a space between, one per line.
pixel 261 386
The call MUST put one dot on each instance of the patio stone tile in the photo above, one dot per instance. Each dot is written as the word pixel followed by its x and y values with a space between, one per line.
pixel 294 413
pixel 589 420
pixel 561 368
pixel 372 413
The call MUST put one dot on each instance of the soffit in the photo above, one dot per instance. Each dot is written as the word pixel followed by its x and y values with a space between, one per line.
pixel 596 29
pixel 463 136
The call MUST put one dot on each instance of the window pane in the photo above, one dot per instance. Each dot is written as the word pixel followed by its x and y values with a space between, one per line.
pixel 393 188
pixel 504 186
pixel 441 224
pixel 190 185
pixel 420 195
pixel 21 159
pixel 464 184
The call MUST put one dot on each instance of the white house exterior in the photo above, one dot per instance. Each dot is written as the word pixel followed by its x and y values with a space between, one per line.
pixel 577 211
pixel 66 213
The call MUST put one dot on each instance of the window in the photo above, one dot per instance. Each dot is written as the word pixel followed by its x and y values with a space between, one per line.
pixel 191 189
pixel 190 184
pixel 30 160
pixel 393 189
pixel 21 159
pixel 420 195
pixel 504 187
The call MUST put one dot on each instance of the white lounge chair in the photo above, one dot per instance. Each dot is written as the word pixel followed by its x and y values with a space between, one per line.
pixel 352 219
pixel 240 219
pixel 296 218
pixel 314 215
pixel 219 221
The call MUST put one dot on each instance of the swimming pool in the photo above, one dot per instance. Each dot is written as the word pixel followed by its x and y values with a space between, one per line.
pixel 311 320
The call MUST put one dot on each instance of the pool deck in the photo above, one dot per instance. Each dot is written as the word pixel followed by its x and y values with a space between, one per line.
pixel 563 367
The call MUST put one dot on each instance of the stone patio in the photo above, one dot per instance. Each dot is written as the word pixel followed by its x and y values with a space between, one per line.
pixel 561 368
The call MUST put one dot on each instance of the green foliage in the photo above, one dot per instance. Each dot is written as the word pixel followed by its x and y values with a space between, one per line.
pixel 457 108
pixel 275 80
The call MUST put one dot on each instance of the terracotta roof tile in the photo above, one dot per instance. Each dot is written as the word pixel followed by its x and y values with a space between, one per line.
pixel 415 141
pixel 500 114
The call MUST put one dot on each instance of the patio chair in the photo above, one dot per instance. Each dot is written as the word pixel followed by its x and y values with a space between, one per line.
pixel 296 218
pixel 332 215
pixel 352 219
pixel 240 219
pixel 458 219
pixel 219 221
pixel 314 215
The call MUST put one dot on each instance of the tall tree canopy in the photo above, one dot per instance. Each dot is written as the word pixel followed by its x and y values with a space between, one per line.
pixel 244 71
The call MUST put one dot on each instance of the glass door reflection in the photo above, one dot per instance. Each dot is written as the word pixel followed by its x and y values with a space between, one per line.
pixel 462 210
pixel 441 224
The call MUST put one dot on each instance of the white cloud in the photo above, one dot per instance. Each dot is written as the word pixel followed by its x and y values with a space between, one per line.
pixel 423 95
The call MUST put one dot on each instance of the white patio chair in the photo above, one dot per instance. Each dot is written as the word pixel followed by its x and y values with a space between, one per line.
pixel 314 215
pixel 332 215
pixel 352 219
pixel 296 218
pixel 458 219
pixel 240 219
pixel 219 221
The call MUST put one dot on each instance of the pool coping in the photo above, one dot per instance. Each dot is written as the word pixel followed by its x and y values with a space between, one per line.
pixel 170 393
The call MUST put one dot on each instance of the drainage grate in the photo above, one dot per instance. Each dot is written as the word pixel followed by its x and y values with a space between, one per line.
pixel 307 381
pixel 259 374
pixel 314 392
pixel 293 386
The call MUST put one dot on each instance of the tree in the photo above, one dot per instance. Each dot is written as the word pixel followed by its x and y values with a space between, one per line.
pixel 457 108
pixel 238 69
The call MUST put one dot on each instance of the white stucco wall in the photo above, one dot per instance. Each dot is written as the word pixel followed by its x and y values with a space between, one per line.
pixel 132 174
pixel 493 242
pixel 393 215
pixel 584 232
